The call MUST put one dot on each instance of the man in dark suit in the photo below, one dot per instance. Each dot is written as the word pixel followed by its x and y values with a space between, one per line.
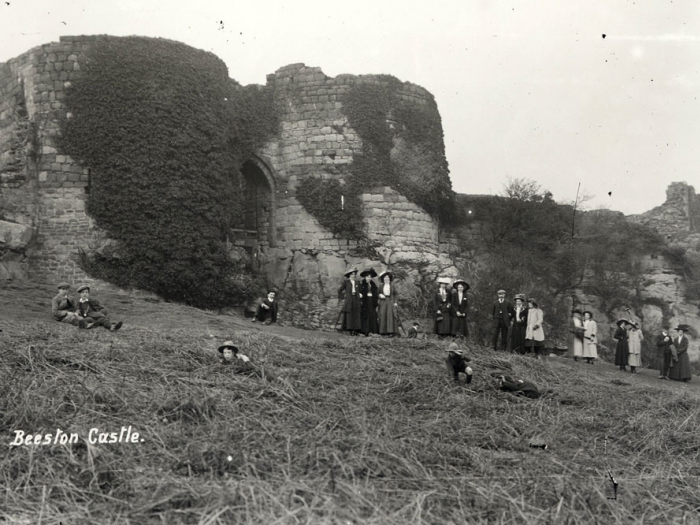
pixel 93 313
pixel 502 313
pixel 63 307
pixel 267 311
pixel 664 344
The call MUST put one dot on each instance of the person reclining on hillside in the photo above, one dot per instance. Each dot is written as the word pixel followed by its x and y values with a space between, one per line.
pixel 93 313
pixel 267 311
pixel 63 307
pixel 518 386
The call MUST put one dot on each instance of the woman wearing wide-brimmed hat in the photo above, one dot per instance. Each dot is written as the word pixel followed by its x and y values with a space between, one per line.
pixel 442 308
pixel 680 370
pixel 517 333
pixel 634 345
pixel 388 323
pixel 460 308
pixel 621 350
pixel 590 337
pixel 352 308
pixel 534 333
pixel 370 301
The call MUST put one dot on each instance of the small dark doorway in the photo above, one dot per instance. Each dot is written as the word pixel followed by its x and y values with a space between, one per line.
pixel 256 186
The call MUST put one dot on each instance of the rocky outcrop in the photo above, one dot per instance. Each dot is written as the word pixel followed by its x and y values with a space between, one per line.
pixel 15 240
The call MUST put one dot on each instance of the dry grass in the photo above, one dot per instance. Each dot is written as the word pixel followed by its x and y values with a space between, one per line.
pixel 351 431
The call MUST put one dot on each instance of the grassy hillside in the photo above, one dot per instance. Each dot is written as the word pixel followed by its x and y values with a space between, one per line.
pixel 341 430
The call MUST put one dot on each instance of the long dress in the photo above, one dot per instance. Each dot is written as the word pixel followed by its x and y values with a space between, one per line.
pixel 517 334
pixel 634 343
pixel 443 320
pixel 590 339
pixel 387 314
pixel 352 307
pixel 534 334
pixel 459 322
pixel 370 300
pixel 577 331
pixel 622 350
pixel 680 371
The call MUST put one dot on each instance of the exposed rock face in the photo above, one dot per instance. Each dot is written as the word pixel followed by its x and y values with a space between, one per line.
pixel 15 240
pixel 678 216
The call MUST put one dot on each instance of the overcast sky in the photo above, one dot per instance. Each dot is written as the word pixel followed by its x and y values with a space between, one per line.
pixel 525 88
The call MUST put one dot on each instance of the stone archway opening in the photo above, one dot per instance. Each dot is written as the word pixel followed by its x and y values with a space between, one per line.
pixel 257 187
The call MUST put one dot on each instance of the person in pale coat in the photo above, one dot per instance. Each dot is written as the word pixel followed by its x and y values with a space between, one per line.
pixel 534 334
pixel 590 337
pixel 634 341
pixel 577 331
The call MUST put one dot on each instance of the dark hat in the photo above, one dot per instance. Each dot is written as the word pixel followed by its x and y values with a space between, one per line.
pixel 683 327
pixel 588 312
pixel 622 321
pixel 633 323
pixel 459 280
pixel 368 271
pixel 83 287
pixel 520 296
pixel 576 311
pixel 350 270
pixel 63 285
pixel 272 291
pixel 533 301
pixel 386 272
pixel 228 344
pixel 415 323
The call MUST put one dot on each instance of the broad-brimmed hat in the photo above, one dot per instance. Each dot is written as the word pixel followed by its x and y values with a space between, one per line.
pixel 350 270
pixel 683 327
pixel 368 271
pixel 576 311
pixel 228 344
pixel 83 287
pixel 633 323
pixel 520 296
pixel 459 280
pixel 416 323
pixel 501 292
pixel 588 312
pixel 533 301
pixel 452 347
pixel 386 272
pixel 622 321
pixel 63 285
pixel 444 280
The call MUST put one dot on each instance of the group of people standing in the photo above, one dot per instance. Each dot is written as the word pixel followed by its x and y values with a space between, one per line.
pixel 518 324
pixel 451 307
pixel 369 308
pixel 584 338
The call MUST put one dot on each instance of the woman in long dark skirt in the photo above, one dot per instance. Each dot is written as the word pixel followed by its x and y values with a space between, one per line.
pixel 350 291
pixel 680 370
pixel 460 308
pixel 388 323
pixel 517 334
pixel 443 309
pixel 370 301
pixel 622 350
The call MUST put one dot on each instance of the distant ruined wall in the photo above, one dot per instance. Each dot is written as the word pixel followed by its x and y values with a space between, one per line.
pixel 676 218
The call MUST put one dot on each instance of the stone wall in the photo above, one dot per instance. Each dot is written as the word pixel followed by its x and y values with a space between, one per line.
pixel 676 218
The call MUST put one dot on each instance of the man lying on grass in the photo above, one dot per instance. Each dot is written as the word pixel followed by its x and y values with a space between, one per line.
pixel 93 313
pixel 241 363
pixel 518 386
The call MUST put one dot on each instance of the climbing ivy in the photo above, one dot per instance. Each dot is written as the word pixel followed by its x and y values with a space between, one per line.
pixel 164 131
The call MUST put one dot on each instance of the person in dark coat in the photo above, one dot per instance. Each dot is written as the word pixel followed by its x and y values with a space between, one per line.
pixel 93 313
pixel 63 307
pixel 460 308
pixel 352 308
pixel 664 344
pixel 442 308
pixel 622 350
pixel 267 309
pixel 388 319
pixel 369 301
pixel 413 331
pixel 519 387
pixel 517 334
pixel 680 370
pixel 501 313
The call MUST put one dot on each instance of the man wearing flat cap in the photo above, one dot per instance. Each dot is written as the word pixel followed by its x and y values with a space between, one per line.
pixel 63 306
pixel 502 313
pixel 352 307
pixel 93 313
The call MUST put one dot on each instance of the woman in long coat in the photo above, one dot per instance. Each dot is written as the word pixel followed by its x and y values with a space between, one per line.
pixel 517 334
pixel 590 337
pixel 352 306
pixel 621 350
pixel 680 370
pixel 370 301
pixel 388 324
pixel 460 308
pixel 534 334
pixel 442 307
pixel 634 344
pixel 577 330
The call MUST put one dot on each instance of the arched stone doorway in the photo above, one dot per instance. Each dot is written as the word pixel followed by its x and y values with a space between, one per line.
pixel 257 186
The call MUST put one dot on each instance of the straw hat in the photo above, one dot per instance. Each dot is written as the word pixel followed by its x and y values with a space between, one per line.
pixel 350 270
pixel 459 280
pixel 228 344
pixel 386 272
pixel 368 271
pixel 533 301
pixel 454 349
pixel 444 280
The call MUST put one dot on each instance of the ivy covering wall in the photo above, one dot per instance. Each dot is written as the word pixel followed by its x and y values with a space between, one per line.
pixel 164 131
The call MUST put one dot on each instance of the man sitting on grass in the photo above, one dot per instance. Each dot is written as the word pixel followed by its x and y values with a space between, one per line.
pixel 92 312
pixel 63 307
pixel 267 311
